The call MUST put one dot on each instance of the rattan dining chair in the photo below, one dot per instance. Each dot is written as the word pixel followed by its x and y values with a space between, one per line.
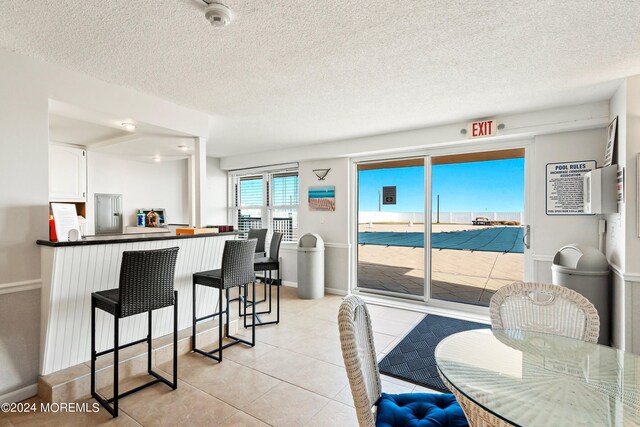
pixel 359 354
pixel 541 307
pixel 146 284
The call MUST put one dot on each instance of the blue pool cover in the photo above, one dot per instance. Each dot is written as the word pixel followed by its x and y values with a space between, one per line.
pixel 494 239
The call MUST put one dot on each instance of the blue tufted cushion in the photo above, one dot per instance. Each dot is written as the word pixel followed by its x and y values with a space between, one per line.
pixel 419 410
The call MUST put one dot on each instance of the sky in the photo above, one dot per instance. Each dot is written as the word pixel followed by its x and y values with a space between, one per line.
pixel 489 186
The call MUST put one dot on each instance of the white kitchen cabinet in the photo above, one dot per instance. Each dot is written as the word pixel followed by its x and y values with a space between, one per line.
pixel 67 173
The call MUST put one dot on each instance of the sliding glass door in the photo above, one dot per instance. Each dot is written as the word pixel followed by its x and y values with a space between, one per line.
pixel 391 227
pixel 477 224
pixel 473 230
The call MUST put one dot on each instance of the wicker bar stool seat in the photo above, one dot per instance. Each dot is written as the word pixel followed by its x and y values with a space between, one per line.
pixel 146 284
pixel 237 271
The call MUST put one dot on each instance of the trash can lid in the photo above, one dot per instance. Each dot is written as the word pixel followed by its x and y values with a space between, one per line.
pixel 311 240
pixel 581 258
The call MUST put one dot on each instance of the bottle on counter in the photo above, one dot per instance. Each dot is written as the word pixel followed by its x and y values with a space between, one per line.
pixel 140 219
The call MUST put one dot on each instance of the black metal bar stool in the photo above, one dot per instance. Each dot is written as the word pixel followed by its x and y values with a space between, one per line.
pixel 268 265
pixel 237 271
pixel 146 284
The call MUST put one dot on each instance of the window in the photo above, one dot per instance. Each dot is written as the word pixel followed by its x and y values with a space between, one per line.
pixel 267 199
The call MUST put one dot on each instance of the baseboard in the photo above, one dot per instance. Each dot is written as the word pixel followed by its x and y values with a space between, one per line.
pixel 19 395
pixel 289 284
pixel 334 291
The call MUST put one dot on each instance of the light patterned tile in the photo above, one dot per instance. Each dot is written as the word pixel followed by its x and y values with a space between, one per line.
pixel 335 414
pixel 287 405
pixel 160 406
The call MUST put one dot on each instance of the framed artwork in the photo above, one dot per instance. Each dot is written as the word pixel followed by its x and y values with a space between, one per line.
pixel 610 151
pixel 322 198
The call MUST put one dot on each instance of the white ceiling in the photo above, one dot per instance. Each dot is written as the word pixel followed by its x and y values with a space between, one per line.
pixel 290 72
pixel 146 143
pixel 78 132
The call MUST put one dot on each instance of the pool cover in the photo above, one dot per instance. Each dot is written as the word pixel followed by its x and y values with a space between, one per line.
pixel 495 239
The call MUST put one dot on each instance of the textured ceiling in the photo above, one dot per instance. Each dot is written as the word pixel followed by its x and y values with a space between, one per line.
pixel 291 72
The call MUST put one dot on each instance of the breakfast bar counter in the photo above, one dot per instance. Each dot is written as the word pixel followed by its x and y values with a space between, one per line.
pixel 71 271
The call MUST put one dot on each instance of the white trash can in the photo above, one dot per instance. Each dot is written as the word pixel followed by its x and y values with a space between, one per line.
pixel 585 270
pixel 310 266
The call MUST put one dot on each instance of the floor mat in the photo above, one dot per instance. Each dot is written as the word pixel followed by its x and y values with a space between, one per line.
pixel 413 359
pixel 495 239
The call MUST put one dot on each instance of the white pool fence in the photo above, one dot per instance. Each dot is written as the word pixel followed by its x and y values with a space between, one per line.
pixel 445 217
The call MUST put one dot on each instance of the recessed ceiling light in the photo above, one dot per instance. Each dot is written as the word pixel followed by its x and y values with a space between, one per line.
pixel 183 147
pixel 156 158
pixel 129 126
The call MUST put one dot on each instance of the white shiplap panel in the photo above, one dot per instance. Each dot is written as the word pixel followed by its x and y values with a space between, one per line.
pixel 80 270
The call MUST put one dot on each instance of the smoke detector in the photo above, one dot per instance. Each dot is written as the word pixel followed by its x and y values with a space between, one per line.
pixel 218 14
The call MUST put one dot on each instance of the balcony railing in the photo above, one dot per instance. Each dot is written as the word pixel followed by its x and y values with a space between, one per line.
pixel 281 225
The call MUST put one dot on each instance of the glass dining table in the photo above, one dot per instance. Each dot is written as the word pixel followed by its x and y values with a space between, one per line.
pixel 535 379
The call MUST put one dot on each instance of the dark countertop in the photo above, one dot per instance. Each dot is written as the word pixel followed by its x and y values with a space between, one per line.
pixel 130 238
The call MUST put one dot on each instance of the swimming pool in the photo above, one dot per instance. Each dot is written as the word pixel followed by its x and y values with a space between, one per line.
pixel 494 239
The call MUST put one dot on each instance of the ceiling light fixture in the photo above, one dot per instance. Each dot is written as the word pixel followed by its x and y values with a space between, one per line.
pixel 183 147
pixel 156 158
pixel 217 14
pixel 129 126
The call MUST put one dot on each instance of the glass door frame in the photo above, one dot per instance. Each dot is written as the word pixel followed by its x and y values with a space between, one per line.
pixel 475 146
pixel 355 208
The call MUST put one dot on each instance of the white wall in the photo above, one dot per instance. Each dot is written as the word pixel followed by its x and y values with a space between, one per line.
pixel 26 86
pixel 217 189
pixel 23 216
pixel 551 232
pixel 616 226
pixel 623 243
pixel 142 185
pixel 334 227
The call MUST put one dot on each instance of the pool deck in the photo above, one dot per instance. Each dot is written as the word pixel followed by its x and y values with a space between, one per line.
pixel 457 275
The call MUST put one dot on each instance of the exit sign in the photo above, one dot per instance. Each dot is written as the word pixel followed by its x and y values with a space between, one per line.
pixel 481 129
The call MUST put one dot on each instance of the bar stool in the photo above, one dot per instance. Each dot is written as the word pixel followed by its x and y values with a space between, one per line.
pixel 146 284
pixel 268 265
pixel 237 271
pixel 261 235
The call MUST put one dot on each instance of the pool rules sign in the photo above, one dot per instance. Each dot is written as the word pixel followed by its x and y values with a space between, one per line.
pixel 565 187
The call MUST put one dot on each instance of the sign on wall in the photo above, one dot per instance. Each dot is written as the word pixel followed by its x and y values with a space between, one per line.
pixel 389 195
pixel 565 187
pixel 481 129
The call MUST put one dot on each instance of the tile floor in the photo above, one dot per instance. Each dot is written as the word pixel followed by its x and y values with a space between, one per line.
pixel 294 376
pixel 401 269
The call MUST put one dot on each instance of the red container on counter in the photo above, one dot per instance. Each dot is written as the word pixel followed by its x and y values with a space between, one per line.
pixel 53 237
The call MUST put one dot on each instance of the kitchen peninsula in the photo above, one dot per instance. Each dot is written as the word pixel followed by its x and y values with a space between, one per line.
pixel 71 271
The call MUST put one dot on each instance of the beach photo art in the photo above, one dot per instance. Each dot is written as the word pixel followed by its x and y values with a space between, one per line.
pixel 322 198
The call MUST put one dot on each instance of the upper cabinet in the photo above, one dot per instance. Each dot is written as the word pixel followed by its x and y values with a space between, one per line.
pixel 67 174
